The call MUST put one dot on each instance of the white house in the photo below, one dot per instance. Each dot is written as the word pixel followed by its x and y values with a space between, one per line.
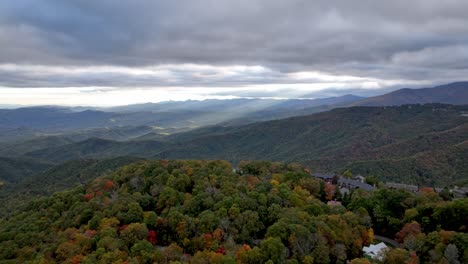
pixel 375 251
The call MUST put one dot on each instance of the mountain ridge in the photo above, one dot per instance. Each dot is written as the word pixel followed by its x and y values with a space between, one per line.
pixel 338 138
pixel 453 93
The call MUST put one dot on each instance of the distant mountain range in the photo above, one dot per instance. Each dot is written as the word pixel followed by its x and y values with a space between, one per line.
pixel 125 122
pixel 453 93
pixel 24 123
pixel 53 119
pixel 234 105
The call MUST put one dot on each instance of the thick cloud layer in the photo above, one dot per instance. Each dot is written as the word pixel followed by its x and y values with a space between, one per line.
pixel 147 43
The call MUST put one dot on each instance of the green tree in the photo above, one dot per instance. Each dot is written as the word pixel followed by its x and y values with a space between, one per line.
pixel 150 219
pixel 252 256
pixel 396 256
pixel 321 252
pixel 134 232
pixel 169 197
pixel 245 226
pixel 372 180
pixel 134 214
pixel 446 195
pixel 347 174
pixel 273 250
pixel 142 250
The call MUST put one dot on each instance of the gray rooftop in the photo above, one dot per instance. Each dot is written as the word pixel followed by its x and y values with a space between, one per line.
pixel 395 185
pixel 356 183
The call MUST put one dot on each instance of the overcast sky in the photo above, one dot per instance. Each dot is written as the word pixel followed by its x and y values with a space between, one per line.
pixel 111 52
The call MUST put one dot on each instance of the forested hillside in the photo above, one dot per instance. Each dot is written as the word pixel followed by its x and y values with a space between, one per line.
pixel 13 170
pixel 204 212
pixel 423 144
pixel 98 148
pixel 419 144
pixel 45 180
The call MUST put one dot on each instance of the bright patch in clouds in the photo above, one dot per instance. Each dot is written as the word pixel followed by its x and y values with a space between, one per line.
pixel 117 85
pixel 97 96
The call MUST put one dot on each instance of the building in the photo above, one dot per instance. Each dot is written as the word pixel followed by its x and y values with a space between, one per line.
pixel 360 178
pixel 344 183
pixel 460 192
pixel 375 251
pixel 354 184
pixel 401 186
pixel 344 191
pixel 328 177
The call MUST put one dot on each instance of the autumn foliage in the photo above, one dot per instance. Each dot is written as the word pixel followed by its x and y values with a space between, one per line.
pixel 152 237
pixel 204 212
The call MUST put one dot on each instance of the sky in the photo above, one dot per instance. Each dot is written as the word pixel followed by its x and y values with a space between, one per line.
pixel 107 52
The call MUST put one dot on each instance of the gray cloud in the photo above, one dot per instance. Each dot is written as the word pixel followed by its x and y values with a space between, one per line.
pixel 413 43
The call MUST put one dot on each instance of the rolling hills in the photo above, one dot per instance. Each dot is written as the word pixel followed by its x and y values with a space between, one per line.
pixel 97 148
pixel 418 139
pixel 403 137
pixel 56 119
pixel 48 119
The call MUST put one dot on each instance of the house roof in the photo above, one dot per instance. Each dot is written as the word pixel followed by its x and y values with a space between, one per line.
pixel 375 250
pixel 356 183
pixel 394 185
pixel 324 175
pixel 461 189
pixel 344 190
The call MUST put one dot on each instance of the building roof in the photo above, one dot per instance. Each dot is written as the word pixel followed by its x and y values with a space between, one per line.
pixel 460 189
pixel 375 251
pixel 359 177
pixel 356 184
pixel 408 187
pixel 324 175
pixel 460 192
pixel 344 190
